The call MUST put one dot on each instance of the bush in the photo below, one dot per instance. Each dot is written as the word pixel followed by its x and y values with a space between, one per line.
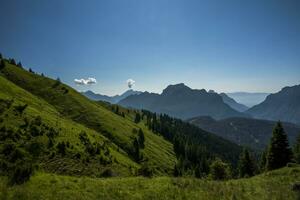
pixel 21 173
pixel 220 170
pixel 108 173
pixel 146 170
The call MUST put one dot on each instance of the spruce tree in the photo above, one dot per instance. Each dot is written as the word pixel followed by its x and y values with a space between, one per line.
pixel 279 153
pixel 297 150
pixel 246 165
pixel 12 61
pixel 2 64
pixel 263 160
pixel 141 138
pixel 20 65
pixel 137 118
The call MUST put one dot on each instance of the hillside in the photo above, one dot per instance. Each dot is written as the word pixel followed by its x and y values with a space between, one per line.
pixel 275 185
pixel 283 105
pixel 254 133
pixel 77 109
pixel 182 102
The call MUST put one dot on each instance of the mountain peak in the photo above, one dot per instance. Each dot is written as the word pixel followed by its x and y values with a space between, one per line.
pixel 180 87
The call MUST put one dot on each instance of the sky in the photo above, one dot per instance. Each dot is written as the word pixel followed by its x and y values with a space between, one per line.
pixel 227 46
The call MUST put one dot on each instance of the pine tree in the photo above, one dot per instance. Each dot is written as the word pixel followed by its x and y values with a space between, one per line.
pixel 246 165
pixel 2 64
pixel 141 138
pixel 136 150
pixel 1 56
pixel 279 153
pixel 137 118
pixel 263 161
pixel 12 61
pixel 20 65
pixel 297 150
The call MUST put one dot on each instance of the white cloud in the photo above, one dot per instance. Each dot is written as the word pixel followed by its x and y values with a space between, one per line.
pixel 130 83
pixel 88 81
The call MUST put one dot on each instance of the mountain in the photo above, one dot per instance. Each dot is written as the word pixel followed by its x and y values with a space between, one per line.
pixel 283 105
pixel 247 98
pixel 111 99
pixel 233 104
pixel 182 102
pixel 254 133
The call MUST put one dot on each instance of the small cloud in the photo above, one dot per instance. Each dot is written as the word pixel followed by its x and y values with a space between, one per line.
pixel 88 81
pixel 130 83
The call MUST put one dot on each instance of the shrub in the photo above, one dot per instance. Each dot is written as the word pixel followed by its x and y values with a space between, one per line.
pixel 146 170
pixel 21 173
pixel 220 170
pixel 108 173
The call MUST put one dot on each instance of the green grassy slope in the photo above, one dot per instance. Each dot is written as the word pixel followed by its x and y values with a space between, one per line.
pixel 275 185
pixel 74 107
pixel 68 131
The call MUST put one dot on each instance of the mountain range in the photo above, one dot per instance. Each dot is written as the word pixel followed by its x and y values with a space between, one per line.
pixel 111 99
pixel 283 105
pixel 254 133
pixel 183 102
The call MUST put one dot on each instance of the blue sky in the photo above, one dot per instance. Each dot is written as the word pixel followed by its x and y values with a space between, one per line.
pixel 222 45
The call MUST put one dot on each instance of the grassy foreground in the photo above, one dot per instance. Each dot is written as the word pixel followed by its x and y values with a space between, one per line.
pixel 275 185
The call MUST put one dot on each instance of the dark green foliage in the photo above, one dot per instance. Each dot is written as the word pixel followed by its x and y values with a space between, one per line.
pixel 194 148
pixel 246 165
pixel 146 170
pixel 20 65
pixel 136 150
pixel 141 139
pixel 108 173
pixel 263 161
pixel 21 173
pixel 57 83
pixel 2 64
pixel 61 148
pixel 12 61
pixel 31 71
pixel 220 170
pixel 279 153
pixel 20 108
pixel 296 150
pixel 137 118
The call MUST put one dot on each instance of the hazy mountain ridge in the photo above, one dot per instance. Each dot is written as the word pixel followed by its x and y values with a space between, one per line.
pixel 254 133
pixel 248 98
pixel 233 104
pixel 182 102
pixel 283 105
pixel 111 99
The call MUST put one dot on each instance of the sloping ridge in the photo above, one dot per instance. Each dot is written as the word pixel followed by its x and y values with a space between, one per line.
pixel 283 105
pixel 72 105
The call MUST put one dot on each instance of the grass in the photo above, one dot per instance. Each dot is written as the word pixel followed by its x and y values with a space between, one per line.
pixel 275 185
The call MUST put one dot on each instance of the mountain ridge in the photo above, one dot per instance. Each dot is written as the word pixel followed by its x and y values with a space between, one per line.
pixel 183 102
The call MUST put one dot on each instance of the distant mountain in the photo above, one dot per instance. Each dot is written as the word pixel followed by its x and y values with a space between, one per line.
pixel 182 102
pixel 247 98
pixel 233 104
pixel 254 133
pixel 111 99
pixel 284 106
